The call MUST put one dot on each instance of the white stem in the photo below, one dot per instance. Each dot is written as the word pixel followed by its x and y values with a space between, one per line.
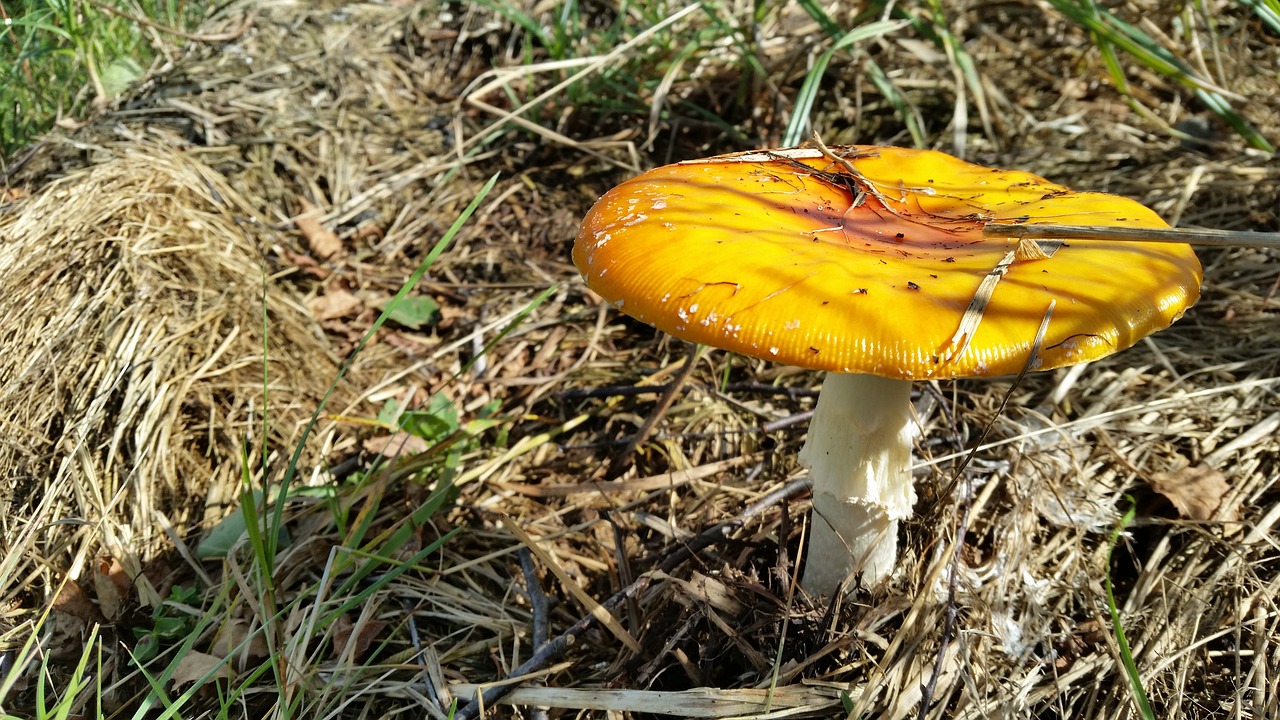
pixel 859 457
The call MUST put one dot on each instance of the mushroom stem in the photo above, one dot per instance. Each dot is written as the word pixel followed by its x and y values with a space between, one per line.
pixel 859 457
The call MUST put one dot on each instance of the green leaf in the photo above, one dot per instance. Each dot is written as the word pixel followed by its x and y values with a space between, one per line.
pixel 427 426
pixel 432 423
pixel 389 413
pixel 119 75
pixel 228 531
pixel 1126 653
pixel 169 628
pixel 415 312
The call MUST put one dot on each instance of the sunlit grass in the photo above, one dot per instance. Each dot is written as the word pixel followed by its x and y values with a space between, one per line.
pixel 60 58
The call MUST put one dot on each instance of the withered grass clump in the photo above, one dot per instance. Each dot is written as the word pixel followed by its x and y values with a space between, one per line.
pixel 132 358
pixel 131 380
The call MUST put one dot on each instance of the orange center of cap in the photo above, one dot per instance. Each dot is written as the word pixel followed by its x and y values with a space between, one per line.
pixel 870 267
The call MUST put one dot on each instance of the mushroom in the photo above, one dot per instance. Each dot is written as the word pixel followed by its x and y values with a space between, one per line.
pixel 871 263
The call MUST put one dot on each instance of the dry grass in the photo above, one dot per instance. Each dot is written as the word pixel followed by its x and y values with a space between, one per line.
pixel 138 266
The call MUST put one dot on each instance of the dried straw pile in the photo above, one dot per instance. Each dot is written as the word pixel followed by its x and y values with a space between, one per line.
pixel 132 358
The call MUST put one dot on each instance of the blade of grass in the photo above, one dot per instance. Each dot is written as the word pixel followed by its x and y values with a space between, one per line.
pixel 798 127
pixel 398 568
pixel 963 67
pixel 899 102
pixel 1110 32
pixel 1126 654
pixel 518 18
pixel 875 74
pixel 1268 11
pixel 264 528
pixel 409 284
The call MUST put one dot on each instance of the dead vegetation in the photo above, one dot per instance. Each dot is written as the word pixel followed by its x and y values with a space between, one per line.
pixel 142 252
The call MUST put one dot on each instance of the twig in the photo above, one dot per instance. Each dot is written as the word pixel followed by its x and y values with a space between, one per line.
pixel 786 422
pixel 864 185
pixel 606 391
pixel 555 647
pixel 619 462
pixel 1190 236
pixel 540 611
pixel 625 576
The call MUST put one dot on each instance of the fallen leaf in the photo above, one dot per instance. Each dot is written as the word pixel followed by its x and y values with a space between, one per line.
pixel 399 444
pixel 324 243
pixel 369 231
pixel 1196 491
pixel 306 264
pixel 415 312
pixel 237 638
pixel 72 600
pixel 196 667
pixel 348 638
pixel 112 586
pixel 333 305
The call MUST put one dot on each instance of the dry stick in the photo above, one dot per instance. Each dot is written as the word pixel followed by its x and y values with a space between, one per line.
pixel 625 576
pixel 962 527
pixel 540 607
pixel 605 391
pixel 673 388
pixel 601 613
pixel 1190 236
pixel 552 649
pixel 540 611
pixel 786 422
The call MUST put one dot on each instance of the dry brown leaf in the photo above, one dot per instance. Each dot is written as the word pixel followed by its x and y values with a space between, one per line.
pixel 370 231
pixel 231 641
pixel 306 264
pixel 324 243
pixel 333 305
pixel 194 666
pixel 72 600
pixel 396 445
pixel 112 585
pixel 348 637
pixel 1196 491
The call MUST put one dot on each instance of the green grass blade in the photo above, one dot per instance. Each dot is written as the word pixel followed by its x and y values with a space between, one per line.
pixel 1110 32
pixel 1126 654
pixel 518 18
pixel 820 16
pixel 1223 109
pixel 398 568
pixel 1268 11
pixel 899 102
pixel 408 286
pixel 798 127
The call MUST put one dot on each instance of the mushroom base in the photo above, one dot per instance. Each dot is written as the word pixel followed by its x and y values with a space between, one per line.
pixel 859 457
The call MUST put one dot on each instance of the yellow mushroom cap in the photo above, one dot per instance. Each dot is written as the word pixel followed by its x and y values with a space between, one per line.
pixel 780 255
